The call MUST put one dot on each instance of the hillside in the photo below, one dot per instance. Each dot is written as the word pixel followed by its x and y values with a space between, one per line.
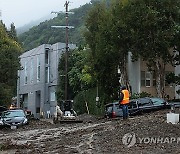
pixel 26 27
pixel 44 33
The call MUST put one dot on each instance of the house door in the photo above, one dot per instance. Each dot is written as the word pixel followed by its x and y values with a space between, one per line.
pixel 24 101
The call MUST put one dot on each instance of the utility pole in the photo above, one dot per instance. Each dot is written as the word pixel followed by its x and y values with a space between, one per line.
pixel 67 47
pixel 66 53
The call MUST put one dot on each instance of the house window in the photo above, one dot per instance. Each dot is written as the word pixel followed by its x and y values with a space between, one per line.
pixel 25 73
pixel 46 56
pixel 47 65
pixel 38 68
pixel 31 71
pixel 148 79
pixel 53 96
pixel 145 79
pixel 47 75
pixel 142 78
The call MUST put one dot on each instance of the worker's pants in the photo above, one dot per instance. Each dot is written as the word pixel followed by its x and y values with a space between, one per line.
pixel 125 111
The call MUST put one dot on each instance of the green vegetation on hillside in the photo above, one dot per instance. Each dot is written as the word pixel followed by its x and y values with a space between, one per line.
pixel 9 63
pixel 44 33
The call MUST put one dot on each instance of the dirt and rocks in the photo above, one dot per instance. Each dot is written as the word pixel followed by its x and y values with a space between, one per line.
pixel 146 134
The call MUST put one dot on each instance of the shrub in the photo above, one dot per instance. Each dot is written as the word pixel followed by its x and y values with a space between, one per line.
pixel 89 97
pixel 140 95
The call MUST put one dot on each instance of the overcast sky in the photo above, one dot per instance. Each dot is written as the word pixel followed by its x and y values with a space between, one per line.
pixel 21 12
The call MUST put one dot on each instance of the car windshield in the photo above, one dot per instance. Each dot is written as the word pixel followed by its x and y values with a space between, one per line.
pixel 157 101
pixel 10 114
pixel 144 101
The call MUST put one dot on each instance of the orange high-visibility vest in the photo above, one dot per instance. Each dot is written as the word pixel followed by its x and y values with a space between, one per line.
pixel 126 97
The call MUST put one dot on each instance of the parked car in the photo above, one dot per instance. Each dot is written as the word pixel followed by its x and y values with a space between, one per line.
pixel 13 118
pixel 175 103
pixel 136 106
pixel 149 104
pixel 113 110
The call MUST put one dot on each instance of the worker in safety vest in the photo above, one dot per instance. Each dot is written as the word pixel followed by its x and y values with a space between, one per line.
pixel 124 101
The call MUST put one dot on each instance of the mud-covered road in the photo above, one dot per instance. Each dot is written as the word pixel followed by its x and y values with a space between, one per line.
pixel 147 134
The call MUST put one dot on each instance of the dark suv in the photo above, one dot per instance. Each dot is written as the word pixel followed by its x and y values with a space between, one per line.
pixel 136 106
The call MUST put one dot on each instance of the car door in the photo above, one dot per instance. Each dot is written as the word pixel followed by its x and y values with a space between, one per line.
pixel 133 107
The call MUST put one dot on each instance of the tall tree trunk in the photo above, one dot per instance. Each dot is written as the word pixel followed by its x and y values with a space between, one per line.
pixel 160 79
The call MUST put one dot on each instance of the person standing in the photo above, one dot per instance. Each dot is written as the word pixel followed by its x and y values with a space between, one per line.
pixel 124 101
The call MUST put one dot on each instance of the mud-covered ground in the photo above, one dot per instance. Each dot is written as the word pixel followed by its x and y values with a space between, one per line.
pixel 147 134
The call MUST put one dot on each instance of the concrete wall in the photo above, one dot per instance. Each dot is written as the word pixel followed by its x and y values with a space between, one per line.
pixel 134 74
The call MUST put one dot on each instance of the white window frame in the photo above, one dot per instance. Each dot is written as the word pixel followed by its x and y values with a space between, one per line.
pixel 31 71
pixel 46 57
pixel 148 78
pixel 53 96
pixel 143 79
pixel 25 73
pixel 47 75
pixel 38 68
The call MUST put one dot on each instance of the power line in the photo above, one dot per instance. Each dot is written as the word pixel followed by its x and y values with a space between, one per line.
pixel 66 54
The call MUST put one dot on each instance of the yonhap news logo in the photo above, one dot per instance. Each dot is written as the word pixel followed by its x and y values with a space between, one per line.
pixel 130 139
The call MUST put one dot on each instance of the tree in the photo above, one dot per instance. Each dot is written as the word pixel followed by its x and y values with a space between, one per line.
pixel 121 40
pixel 154 27
pixel 148 29
pixel 171 78
pixel 98 37
pixel 108 37
pixel 9 64
pixel 12 32
pixel 79 73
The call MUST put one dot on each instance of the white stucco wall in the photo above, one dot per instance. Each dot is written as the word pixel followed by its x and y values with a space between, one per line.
pixel 134 74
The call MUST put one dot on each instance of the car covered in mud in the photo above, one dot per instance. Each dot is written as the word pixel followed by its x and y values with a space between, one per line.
pixel 13 118
pixel 136 106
